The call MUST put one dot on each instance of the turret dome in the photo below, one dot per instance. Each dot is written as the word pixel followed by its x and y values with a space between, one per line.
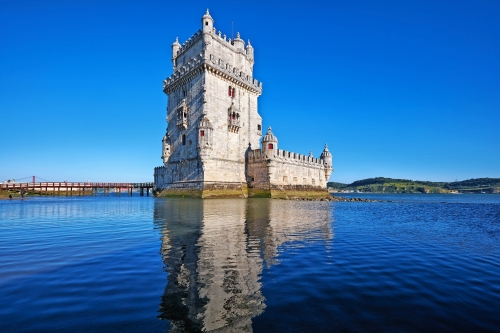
pixel 269 137
pixel 238 42
pixel 207 16
pixel 326 152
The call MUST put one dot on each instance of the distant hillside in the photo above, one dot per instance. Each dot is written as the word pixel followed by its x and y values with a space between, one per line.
pixel 473 183
pixel 391 185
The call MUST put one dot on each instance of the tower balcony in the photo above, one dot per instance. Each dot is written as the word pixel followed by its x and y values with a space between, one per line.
pixel 234 125
pixel 182 124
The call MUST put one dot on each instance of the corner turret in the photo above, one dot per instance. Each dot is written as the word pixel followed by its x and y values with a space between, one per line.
pixel 175 49
pixel 249 52
pixel 238 43
pixel 269 144
pixel 165 149
pixel 207 22
pixel 327 161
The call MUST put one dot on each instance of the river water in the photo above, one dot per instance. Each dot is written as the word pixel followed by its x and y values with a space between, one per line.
pixel 411 263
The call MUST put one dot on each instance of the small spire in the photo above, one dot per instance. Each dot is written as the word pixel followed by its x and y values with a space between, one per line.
pixel 269 129
pixel 237 35
pixel 310 153
pixel 207 15
pixel 326 146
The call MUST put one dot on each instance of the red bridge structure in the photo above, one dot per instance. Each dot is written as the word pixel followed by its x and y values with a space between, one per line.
pixel 78 188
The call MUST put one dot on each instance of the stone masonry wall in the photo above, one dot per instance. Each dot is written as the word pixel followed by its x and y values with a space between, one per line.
pixel 285 169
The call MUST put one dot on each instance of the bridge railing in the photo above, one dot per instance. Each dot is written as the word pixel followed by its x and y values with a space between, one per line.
pixel 6 186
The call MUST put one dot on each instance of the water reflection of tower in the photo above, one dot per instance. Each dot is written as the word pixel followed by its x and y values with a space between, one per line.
pixel 228 269
pixel 214 251
pixel 180 223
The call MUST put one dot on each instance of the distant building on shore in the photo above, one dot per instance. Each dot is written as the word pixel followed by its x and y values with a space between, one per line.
pixel 212 146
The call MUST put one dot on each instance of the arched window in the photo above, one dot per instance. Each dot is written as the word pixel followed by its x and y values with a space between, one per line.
pixel 183 139
pixel 259 128
pixel 202 133
pixel 270 146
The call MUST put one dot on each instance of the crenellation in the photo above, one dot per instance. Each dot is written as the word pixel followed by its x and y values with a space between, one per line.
pixel 235 74
pixel 187 44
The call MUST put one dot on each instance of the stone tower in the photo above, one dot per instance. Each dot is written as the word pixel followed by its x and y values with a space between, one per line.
pixel 212 113
pixel 212 144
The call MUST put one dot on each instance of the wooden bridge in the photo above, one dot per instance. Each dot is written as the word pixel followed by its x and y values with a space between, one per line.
pixel 70 188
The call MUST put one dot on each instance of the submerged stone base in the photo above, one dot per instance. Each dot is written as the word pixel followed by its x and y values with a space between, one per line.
pixel 290 192
pixel 205 190
pixel 241 190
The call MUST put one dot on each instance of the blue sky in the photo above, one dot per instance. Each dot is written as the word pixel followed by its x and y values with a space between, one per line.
pixel 397 89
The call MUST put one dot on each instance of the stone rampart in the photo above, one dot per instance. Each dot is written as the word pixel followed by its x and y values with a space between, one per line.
pixel 285 175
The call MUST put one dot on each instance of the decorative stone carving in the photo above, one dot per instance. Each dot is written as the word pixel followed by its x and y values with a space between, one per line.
pixel 233 119
pixel 182 115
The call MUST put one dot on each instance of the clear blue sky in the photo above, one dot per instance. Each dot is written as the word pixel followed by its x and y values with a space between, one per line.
pixel 397 88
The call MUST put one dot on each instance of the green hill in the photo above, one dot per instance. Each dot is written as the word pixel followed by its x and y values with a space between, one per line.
pixel 391 185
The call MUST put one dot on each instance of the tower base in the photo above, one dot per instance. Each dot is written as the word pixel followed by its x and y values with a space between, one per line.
pixel 290 192
pixel 205 190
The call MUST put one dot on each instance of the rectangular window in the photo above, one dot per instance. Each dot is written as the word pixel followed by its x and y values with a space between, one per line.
pixel 269 146
pixel 233 92
pixel 202 133
pixel 229 91
pixel 285 179
pixel 259 128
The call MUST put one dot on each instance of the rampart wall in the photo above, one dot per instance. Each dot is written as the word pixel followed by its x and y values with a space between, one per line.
pixel 284 171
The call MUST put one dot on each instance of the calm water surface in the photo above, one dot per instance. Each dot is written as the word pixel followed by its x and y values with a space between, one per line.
pixel 121 264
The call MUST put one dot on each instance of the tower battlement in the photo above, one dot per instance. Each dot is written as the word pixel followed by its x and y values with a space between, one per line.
pixel 215 65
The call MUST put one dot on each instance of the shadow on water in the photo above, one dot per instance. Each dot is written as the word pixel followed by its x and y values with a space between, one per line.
pixel 214 252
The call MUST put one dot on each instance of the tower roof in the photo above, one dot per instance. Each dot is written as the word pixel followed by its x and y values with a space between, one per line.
pixel 269 137
pixel 207 16
pixel 176 43
pixel 326 152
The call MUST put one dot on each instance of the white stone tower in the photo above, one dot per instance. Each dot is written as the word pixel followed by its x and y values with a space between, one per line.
pixel 212 113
